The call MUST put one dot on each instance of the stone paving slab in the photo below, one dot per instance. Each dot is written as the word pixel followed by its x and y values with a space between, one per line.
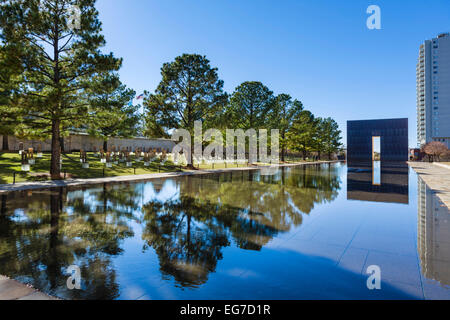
pixel 437 178
pixel 13 290
pixel 446 166
pixel 5 188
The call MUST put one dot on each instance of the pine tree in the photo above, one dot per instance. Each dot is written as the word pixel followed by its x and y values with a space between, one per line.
pixel 10 76
pixel 249 106
pixel 302 133
pixel 60 45
pixel 190 90
pixel 113 113
pixel 330 136
pixel 282 115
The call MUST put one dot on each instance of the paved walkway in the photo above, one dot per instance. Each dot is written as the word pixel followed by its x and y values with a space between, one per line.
pixel 4 188
pixel 437 177
pixel 13 290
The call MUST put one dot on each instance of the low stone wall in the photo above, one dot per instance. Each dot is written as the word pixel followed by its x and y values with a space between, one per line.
pixel 78 142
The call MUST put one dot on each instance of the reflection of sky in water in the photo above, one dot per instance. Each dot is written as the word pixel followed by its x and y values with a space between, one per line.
pixel 376 172
pixel 168 191
pixel 297 234
pixel 19 216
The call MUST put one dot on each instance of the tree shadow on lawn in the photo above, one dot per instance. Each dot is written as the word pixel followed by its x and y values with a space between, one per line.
pixel 72 168
pixel 7 171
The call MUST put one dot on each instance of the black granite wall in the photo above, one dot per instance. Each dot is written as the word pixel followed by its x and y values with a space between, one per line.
pixel 393 134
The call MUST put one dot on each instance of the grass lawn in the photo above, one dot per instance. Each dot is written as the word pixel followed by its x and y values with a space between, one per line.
pixel 11 162
pixel 298 160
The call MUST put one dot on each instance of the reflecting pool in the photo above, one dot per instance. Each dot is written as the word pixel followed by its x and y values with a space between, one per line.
pixel 307 232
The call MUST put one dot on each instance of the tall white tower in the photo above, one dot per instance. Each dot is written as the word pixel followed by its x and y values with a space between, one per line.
pixel 433 91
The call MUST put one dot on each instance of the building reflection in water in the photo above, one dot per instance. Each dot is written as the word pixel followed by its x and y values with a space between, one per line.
pixel 433 235
pixel 378 181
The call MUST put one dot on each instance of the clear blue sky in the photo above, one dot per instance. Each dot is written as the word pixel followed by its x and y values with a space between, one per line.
pixel 318 51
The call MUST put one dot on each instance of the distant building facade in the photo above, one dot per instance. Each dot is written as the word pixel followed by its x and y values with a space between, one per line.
pixel 433 91
pixel 77 142
pixel 393 134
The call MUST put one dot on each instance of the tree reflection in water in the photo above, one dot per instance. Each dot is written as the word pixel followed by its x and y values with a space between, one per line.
pixel 43 233
pixel 189 231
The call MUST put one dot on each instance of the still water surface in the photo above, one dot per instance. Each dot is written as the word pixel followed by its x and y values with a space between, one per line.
pixel 308 232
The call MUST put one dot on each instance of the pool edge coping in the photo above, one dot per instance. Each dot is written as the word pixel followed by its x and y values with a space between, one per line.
pixel 11 289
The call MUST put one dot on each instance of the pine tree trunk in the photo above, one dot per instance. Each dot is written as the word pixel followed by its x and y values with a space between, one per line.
pixel 5 144
pixel 191 164
pixel 283 152
pixel 105 145
pixel 55 170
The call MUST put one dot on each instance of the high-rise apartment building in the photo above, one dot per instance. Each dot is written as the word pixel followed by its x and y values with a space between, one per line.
pixel 433 91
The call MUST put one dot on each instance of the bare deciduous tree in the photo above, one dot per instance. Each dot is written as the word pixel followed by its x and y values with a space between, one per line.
pixel 434 150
